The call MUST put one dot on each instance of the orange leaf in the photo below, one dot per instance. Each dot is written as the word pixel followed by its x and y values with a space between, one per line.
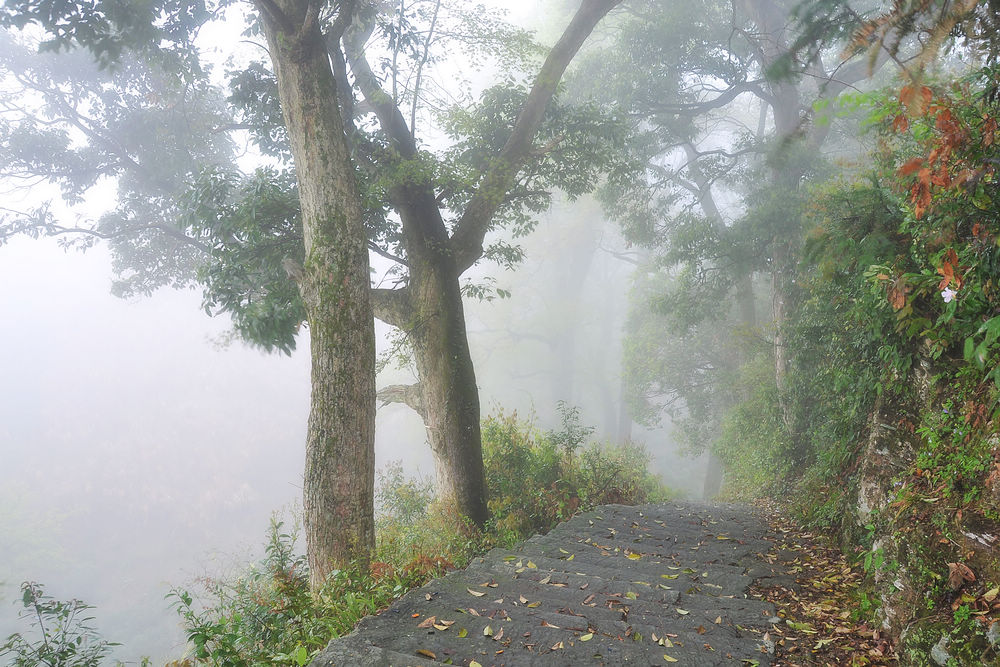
pixel 911 166
pixel 948 271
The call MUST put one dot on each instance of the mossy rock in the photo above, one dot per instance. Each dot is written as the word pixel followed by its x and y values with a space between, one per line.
pixel 966 647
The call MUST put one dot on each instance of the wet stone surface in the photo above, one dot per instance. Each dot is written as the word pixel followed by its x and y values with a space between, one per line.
pixel 652 585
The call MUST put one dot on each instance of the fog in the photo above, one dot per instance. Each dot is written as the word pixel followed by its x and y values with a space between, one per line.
pixel 141 448
pixel 141 451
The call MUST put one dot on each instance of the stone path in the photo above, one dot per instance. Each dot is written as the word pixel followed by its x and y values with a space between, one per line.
pixel 651 585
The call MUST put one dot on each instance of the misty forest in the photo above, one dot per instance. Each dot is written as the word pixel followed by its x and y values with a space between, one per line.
pixel 622 331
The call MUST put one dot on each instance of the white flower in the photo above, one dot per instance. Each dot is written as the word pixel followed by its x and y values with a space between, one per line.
pixel 948 295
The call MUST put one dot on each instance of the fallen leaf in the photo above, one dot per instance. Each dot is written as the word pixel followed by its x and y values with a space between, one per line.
pixel 546 624
pixel 463 633
pixel 557 646
pixel 801 627
pixel 532 565
pixel 718 619
pixel 487 631
pixel 427 596
pixel 427 622
pixel 478 594
pixel 427 654
pixel 958 574
pixel 473 663
pixel 668 658
pixel 587 637
pixel 991 594
pixel 634 556
pixel 700 630
pixel 683 612
pixel 533 605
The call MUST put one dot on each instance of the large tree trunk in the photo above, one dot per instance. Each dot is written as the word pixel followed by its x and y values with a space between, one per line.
pixel 334 282
pixel 449 391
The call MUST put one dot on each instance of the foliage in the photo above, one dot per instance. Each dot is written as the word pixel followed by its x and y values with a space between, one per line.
pixel 535 481
pixel 267 613
pixel 64 636
pixel 754 444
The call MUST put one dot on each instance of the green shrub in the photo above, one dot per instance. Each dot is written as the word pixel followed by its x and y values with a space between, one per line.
pixel 61 635
pixel 754 444
pixel 268 615
pixel 538 479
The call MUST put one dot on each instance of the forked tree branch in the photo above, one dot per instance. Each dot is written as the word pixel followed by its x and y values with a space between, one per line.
pixel 467 240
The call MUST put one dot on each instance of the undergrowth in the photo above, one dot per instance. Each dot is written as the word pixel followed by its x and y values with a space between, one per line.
pixel 267 615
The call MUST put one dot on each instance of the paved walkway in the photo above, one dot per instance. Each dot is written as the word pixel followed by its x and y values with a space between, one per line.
pixel 652 585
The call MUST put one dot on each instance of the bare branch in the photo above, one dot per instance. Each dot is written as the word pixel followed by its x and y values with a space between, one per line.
pixel 407 394
pixel 420 70
pixel 393 306
pixel 385 253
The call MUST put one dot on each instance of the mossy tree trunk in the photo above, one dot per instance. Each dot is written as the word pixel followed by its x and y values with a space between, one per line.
pixel 334 283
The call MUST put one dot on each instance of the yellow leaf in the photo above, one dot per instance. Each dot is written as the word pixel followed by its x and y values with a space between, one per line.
pixel 668 658
pixel 557 646
pixel 683 612
pixel 473 663
pixel 532 605
pixel 631 595
pixel 991 594
pixel 634 556
pixel 463 633
pixel 664 641
pixel 427 654
pixel 587 637
pixel 478 594
pixel 532 565
pixel 487 631
pixel 571 557
pixel 718 619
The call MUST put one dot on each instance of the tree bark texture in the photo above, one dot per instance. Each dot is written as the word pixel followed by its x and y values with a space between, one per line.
pixel 449 389
pixel 338 485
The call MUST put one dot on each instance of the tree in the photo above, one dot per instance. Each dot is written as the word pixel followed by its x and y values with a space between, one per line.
pixel 245 224
pixel 722 213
